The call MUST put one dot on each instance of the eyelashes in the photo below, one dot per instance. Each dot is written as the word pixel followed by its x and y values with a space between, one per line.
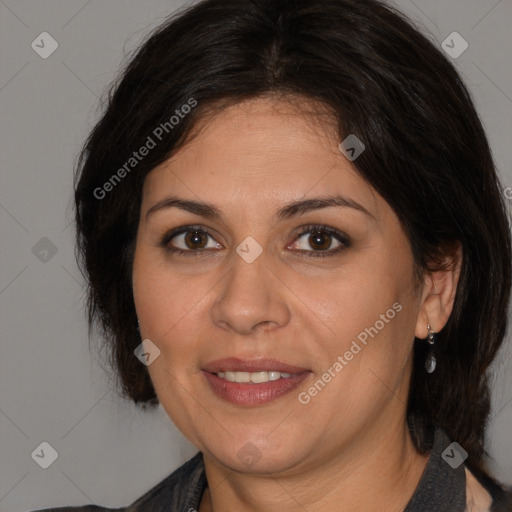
pixel 197 232
pixel 319 232
pixel 198 235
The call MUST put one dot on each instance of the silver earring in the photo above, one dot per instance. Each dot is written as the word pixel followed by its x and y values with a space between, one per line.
pixel 430 336
pixel 430 363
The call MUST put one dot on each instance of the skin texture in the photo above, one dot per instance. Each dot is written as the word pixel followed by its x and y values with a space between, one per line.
pixel 350 444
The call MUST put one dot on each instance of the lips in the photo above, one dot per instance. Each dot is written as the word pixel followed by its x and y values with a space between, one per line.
pixel 233 364
pixel 252 393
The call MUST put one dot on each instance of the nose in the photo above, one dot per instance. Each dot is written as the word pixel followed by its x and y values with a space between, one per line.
pixel 250 297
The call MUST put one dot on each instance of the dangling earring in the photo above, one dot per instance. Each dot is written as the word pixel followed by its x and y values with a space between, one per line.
pixel 430 363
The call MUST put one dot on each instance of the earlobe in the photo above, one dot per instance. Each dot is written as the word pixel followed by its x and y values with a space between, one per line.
pixel 439 292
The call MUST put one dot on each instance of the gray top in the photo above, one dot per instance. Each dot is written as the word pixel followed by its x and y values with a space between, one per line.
pixel 442 488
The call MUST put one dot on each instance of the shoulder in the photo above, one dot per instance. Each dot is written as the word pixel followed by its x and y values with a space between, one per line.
pixel 181 490
pixel 499 496
pixel 502 500
pixel 84 508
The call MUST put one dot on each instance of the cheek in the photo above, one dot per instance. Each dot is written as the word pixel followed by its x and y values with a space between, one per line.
pixel 165 305
pixel 163 298
pixel 372 310
pixel 356 300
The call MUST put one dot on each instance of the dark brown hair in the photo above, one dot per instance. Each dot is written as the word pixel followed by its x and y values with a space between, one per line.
pixel 426 154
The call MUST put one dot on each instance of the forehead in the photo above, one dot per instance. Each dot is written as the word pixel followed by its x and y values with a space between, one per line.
pixel 260 152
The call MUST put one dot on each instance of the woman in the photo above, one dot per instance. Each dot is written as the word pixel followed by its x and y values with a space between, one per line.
pixel 294 234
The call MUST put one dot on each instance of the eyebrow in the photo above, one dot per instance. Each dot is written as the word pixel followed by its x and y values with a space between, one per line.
pixel 293 209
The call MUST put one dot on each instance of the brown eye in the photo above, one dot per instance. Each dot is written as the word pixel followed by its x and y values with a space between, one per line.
pixel 196 239
pixel 190 240
pixel 320 240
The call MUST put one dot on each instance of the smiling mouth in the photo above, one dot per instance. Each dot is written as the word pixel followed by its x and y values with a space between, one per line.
pixel 250 389
pixel 253 377
pixel 252 382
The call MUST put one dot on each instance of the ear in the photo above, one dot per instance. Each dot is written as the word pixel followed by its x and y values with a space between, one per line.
pixel 438 294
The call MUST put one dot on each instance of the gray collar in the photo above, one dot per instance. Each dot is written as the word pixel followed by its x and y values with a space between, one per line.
pixel 442 487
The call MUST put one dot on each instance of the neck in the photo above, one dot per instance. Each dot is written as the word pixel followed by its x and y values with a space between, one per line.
pixel 378 470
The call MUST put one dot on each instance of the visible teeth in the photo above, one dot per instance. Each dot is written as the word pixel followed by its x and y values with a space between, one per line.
pixel 253 377
pixel 242 377
pixel 258 377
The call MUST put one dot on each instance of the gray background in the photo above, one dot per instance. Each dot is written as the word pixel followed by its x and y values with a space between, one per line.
pixel 51 387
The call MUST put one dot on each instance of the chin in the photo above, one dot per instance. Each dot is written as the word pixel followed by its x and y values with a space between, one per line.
pixel 258 457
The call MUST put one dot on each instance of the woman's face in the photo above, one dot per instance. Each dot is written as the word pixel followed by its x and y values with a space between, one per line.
pixel 255 290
